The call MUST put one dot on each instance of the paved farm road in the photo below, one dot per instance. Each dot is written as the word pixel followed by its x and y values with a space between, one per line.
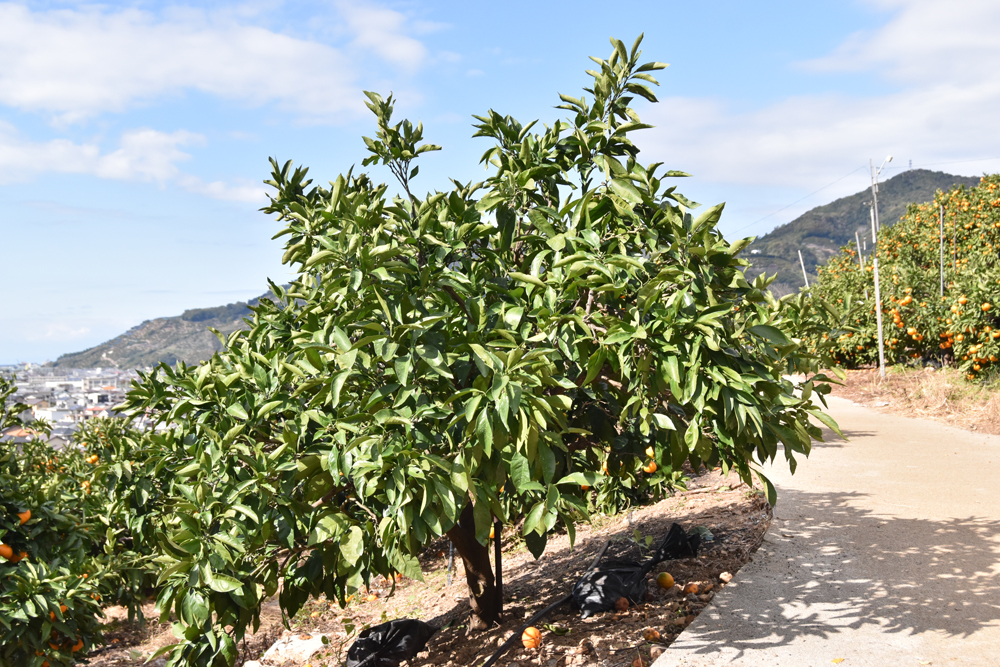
pixel 885 551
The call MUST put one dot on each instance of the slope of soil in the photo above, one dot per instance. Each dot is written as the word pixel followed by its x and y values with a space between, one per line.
pixel 941 394
pixel 735 515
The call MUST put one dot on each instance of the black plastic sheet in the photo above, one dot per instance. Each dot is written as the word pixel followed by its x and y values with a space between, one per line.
pixel 600 589
pixel 389 644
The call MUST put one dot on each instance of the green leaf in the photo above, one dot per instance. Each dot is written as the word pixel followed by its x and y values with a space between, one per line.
pixel 531 522
pixel 710 217
pixel 434 359
pixel 536 543
pixel 222 583
pixel 828 421
pixel 237 411
pixel 770 333
pixel 663 421
pixel 581 478
pixel 772 494
pixel 506 222
pixel 352 545
pixel 484 520
pixel 624 189
pixel 594 365
pixel 336 385
pixel 525 278
pixel 520 472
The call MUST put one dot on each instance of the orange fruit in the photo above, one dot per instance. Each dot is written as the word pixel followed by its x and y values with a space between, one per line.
pixel 6 551
pixel 492 532
pixel 531 637
pixel 622 604
pixel 962 300
pixel 986 306
pixel 24 516
pixel 19 557
pixel 691 588
pixel 77 646
pixel 665 580
pixel 584 487
pixel 651 468
pixel 651 635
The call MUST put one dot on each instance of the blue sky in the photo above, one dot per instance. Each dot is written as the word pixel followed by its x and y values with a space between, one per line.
pixel 134 136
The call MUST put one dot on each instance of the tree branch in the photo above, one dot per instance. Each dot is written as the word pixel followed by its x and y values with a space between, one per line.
pixel 458 299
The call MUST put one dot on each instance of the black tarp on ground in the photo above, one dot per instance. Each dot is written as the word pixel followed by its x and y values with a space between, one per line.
pixel 389 644
pixel 598 591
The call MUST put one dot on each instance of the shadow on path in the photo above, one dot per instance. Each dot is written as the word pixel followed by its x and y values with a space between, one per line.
pixel 827 566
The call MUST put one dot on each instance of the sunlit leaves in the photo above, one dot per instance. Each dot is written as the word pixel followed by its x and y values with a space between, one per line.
pixel 516 347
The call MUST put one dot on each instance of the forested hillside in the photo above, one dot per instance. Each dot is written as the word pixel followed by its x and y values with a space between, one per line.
pixel 185 337
pixel 820 232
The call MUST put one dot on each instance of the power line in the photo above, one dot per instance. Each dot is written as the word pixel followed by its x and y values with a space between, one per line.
pixel 799 200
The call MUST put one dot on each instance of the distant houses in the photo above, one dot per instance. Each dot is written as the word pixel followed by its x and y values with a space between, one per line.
pixel 65 400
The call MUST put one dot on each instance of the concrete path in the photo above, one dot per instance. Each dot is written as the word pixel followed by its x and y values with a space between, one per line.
pixel 884 551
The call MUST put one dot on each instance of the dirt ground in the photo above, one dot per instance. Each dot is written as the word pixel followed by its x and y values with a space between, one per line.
pixel 736 516
pixel 940 394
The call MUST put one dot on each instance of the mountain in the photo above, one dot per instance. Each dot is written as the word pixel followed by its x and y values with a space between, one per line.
pixel 819 233
pixel 184 337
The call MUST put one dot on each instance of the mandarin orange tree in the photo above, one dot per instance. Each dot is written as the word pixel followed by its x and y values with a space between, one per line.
pixel 66 540
pixel 961 326
pixel 514 351
pixel 50 567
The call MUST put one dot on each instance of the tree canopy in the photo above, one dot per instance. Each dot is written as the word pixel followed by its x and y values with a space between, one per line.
pixel 561 337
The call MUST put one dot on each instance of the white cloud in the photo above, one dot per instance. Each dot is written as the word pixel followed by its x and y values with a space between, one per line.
pixel 926 40
pixel 78 63
pixel 143 155
pixel 941 64
pixel 383 31
pixel 226 191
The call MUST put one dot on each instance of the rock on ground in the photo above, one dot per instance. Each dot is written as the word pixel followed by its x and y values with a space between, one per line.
pixel 297 647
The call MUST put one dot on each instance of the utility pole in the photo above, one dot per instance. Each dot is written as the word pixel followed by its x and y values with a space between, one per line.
pixel 878 299
pixel 942 250
pixel 875 230
pixel 804 276
pixel 875 174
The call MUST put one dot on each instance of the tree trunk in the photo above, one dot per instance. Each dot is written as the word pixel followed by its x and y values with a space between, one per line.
pixel 484 597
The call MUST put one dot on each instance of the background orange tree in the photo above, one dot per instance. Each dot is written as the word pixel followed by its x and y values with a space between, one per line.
pixel 920 324
pixel 65 546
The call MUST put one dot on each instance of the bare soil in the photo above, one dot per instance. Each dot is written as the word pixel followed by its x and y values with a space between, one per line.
pixel 736 516
pixel 941 394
